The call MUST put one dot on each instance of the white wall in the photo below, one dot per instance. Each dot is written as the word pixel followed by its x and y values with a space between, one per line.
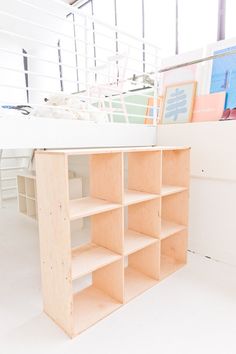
pixel 213 185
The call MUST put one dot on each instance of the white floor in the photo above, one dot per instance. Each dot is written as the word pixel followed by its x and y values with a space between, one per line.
pixel 193 311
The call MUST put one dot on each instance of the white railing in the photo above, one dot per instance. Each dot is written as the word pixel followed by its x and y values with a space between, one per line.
pixel 86 69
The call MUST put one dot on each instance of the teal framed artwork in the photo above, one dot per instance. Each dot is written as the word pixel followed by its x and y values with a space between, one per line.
pixel 178 103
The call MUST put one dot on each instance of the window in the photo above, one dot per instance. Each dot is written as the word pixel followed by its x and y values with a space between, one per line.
pixel 197 23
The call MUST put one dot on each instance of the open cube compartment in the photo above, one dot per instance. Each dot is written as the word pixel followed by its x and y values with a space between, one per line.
pixel 97 300
pixel 30 187
pixel 175 170
pixel 142 225
pixel 173 253
pixel 102 242
pixel 31 208
pixel 142 270
pixel 142 176
pixel 22 204
pixel 21 185
pixel 104 189
pixel 174 213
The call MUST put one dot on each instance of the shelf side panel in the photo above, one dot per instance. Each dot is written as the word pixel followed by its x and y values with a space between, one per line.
pixel 107 230
pixel 145 217
pixel 106 177
pixel 147 260
pixel 175 247
pixel 54 234
pixel 144 171
pixel 110 279
pixel 176 167
pixel 175 208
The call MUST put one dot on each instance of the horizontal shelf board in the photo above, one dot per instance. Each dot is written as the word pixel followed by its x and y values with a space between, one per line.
pixel 169 228
pixel 89 257
pixel 80 208
pixel 136 283
pixel 90 306
pixel 27 197
pixel 135 241
pixel 169 265
pixel 86 151
pixel 133 197
pixel 167 190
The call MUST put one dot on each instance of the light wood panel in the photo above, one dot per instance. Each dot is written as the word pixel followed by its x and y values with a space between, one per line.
pixel 145 217
pixel 107 230
pixel 30 187
pixel 89 257
pixel 110 279
pixel 173 253
pixel 134 241
pixel 176 167
pixel 21 184
pixel 147 260
pixel 133 197
pixel 175 208
pixel 54 232
pixel 81 208
pixel 90 306
pixel 169 228
pixel 106 177
pixel 144 171
pixel 22 204
pixel 167 190
pixel 71 152
pixel 136 283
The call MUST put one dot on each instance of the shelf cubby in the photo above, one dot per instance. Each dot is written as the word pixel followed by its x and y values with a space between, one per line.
pixel 90 257
pixel 104 191
pixel 174 213
pixel 98 300
pixel 175 171
pixel 22 204
pixel 31 208
pixel 124 230
pixel 142 176
pixel 104 243
pixel 173 253
pixel 30 187
pixel 26 183
pixel 142 225
pixel 142 271
pixel 21 185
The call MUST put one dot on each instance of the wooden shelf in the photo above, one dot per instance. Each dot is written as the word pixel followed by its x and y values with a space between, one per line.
pixel 136 283
pixel 133 197
pixel 81 208
pixel 173 253
pixel 135 241
pixel 90 306
pixel 169 265
pixel 88 258
pixel 153 210
pixel 168 190
pixel 169 228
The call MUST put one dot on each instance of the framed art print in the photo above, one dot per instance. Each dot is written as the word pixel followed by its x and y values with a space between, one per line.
pixel 178 103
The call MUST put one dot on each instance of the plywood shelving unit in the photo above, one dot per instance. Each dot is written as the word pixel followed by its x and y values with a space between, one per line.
pixel 27 199
pixel 138 235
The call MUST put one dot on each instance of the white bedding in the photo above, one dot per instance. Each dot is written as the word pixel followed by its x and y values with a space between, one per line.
pixel 62 106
